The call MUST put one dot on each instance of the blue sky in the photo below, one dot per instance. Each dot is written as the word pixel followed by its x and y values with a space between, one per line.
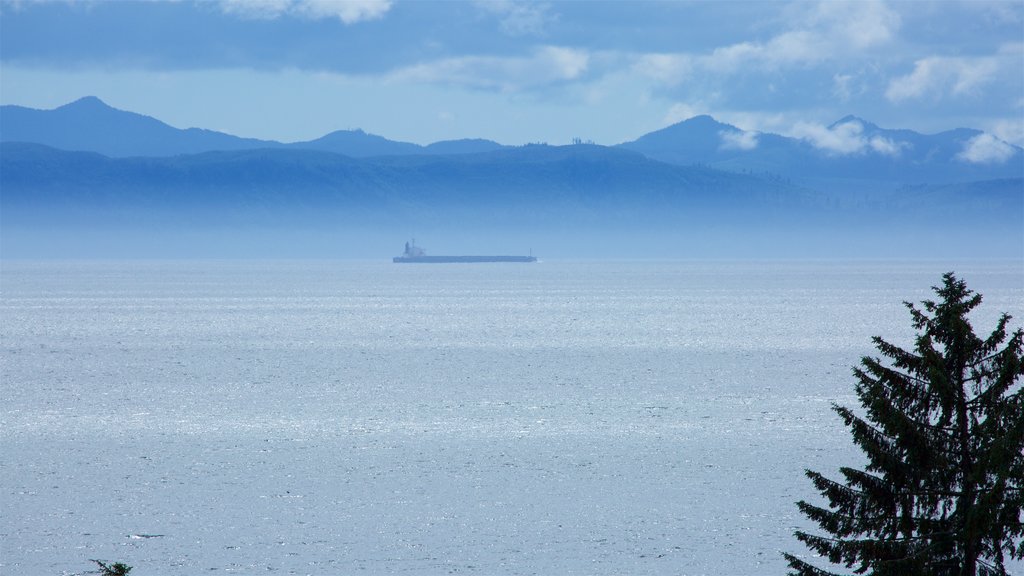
pixel 520 72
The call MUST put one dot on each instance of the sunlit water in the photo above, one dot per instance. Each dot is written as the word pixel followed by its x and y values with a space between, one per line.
pixel 337 418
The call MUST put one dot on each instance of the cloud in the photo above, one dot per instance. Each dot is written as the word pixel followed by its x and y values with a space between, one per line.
pixel 255 9
pixel 937 75
pixel 827 31
pixel 822 32
pixel 860 25
pixel 1008 130
pixel 841 86
pixel 1008 13
pixel 845 139
pixel 547 65
pixel 520 18
pixel 885 146
pixel 668 69
pixel 568 62
pixel 348 11
pixel 790 48
pixel 986 149
pixel 737 140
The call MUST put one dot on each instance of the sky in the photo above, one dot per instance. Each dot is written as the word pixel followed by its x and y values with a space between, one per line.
pixel 519 72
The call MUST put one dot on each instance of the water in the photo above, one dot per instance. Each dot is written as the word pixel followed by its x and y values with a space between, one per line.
pixel 342 418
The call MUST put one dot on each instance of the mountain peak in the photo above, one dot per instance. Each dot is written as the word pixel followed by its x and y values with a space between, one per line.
pixel 358 143
pixel 87 102
pixel 850 118
pixel 698 130
pixel 701 120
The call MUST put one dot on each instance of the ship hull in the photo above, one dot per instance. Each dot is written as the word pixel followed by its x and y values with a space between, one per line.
pixel 460 259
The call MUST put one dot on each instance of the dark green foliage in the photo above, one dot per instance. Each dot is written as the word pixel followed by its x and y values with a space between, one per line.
pixel 943 431
pixel 115 569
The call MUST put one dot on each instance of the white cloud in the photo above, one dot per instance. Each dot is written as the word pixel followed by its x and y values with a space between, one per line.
pixel 857 24
pixel 727 59
pixel 1008 130
pixel 822 32
pixel 841 86
pixel 986 149
pixel 737 140
pixel 885 146
pixel 348 11
pixel 668 69
pixel 790 48
pixel 825 32
pixel 937 75
pixel 569 63
pixel 520 18
pixel 845 139
pixel 547 65
pixel 257 9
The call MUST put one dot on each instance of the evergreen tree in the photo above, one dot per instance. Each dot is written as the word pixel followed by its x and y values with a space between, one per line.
pixel 115 569
pixel 942 427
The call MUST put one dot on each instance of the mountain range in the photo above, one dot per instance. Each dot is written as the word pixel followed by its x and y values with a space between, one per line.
pixel 695 188
pixel 849 148
pixel 89 124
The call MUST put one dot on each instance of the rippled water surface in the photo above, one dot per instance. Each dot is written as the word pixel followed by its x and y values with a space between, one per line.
pixel 341 418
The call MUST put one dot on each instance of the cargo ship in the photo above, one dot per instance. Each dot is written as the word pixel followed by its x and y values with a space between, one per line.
pixel 415 255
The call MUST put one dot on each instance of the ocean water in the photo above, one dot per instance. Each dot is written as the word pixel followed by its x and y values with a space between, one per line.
pixel 336 418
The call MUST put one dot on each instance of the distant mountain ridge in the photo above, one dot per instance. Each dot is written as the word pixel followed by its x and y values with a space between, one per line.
pixel 850 148
pixel 88 179
pixel 548 182
pixel 844 154
pixel 591 200
pixel 90 125
pixel 538 177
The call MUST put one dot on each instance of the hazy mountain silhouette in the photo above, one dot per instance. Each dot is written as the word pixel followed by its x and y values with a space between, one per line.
pixel 850 148
pixel 86 171
pixel 536 182
pixel 537 177
pixel 359 144
pixel 842 155
pixel 91 125
pixel 463 146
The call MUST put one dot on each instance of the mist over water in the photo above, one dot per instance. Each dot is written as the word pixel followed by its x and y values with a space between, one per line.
pixel 690 240
pixel 330 417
